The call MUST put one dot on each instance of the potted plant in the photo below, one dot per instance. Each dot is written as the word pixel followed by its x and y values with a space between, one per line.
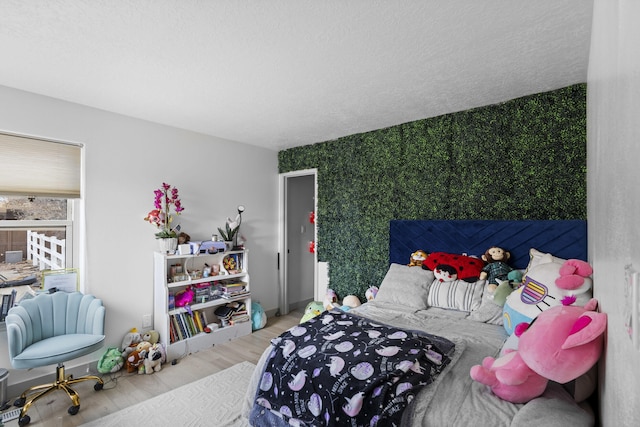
pixel 229 233
pixel 166 199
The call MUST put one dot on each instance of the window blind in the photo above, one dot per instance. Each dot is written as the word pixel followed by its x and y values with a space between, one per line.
pixel 36 167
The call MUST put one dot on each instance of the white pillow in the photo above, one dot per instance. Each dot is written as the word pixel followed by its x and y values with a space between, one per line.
pixel 488 312
pixel 536 257
pixel 406 286
pixel 456 295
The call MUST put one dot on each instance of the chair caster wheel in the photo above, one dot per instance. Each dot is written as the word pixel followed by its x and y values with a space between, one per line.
pixel 20 402
pixel 24 420
pixel 73 409
pixel 98 386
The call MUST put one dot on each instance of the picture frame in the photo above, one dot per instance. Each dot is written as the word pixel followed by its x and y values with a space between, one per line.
pixel 66 280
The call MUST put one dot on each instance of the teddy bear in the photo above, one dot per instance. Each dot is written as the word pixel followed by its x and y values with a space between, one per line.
pixel 130 341
pixel 562 344
pixel 496 266
pixel 151 336
pixel 548 284
pixel 153 359
pixel 417 258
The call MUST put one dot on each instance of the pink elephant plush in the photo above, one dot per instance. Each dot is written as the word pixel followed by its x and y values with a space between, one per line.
pixel 562 343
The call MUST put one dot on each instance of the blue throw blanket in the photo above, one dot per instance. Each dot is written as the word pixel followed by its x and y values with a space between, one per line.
pixel 341 369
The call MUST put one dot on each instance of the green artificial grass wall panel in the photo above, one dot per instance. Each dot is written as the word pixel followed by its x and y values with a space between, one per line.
pixel 522 159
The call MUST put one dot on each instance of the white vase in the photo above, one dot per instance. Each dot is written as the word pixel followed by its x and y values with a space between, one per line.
pixel 228 245
pixel 168 245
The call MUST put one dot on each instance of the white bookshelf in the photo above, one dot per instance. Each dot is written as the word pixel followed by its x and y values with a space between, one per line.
pixel 168 280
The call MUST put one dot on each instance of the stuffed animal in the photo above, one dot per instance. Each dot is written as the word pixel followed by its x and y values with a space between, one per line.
pixel 151 336
pixel 130 342
pixel 349 302
pixel 449 267
pixel 258 316
pixel 548 284
pixel 499 295
pixel 184 297
pixel 312 310
pixel 561 345
pixel 496 267
pixel 111 361
pixel 371 293
pixel 330 299
pixel 509 378
pixel 417 258
pixel 135 362
pixel 153 359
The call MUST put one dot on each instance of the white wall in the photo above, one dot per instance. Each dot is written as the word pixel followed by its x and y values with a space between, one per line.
pixel 613 113
pixel 125 160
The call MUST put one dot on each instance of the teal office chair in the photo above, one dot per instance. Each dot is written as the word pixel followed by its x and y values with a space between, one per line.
pixel 54 328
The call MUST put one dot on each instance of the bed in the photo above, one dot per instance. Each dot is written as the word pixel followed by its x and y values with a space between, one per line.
pixel 459 332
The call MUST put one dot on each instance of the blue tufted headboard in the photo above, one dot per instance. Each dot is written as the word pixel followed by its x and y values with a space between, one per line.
pixel 562 238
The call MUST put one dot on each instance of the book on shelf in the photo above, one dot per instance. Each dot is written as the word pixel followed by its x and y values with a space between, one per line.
pixel 177 329
pixel 183 326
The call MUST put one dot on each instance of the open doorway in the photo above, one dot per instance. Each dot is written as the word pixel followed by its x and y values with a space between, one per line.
pixel 298 262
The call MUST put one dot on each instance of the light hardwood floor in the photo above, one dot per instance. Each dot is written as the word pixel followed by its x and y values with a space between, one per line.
pixel 122 389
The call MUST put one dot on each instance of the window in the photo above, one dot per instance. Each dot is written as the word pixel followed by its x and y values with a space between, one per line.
pixel 39 196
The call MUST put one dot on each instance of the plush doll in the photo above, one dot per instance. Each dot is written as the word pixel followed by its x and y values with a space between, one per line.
pixel 496 267
pixel 499 295
pixel 449 267
pixel 130 341
pixel 349 302
pixel 134 362
pixel 509 378
pixel 153 359
pixel 417 258
pixel 561 345
pixel 151 336
pixel 184 297
pixel 546 285
pixel 111 361
pixel 371 293
pixel 312 310
pixel 330 299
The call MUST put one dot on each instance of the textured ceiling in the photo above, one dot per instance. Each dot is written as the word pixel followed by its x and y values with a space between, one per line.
pixel 283 73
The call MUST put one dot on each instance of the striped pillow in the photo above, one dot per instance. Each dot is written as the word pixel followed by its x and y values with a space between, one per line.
pixel 456 295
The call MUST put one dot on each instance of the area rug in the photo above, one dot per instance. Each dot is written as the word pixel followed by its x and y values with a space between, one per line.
pixel 188 405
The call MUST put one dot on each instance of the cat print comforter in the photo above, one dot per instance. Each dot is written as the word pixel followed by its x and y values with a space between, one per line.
pixel 341 369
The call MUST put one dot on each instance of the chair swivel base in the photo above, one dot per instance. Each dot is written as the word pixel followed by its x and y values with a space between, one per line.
pixel 31 395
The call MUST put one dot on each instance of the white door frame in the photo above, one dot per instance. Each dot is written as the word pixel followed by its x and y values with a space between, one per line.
pixel 283 301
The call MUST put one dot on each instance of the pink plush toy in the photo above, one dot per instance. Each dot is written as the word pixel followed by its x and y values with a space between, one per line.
pixel 185 297
pixel 510 378
pixel 563 343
